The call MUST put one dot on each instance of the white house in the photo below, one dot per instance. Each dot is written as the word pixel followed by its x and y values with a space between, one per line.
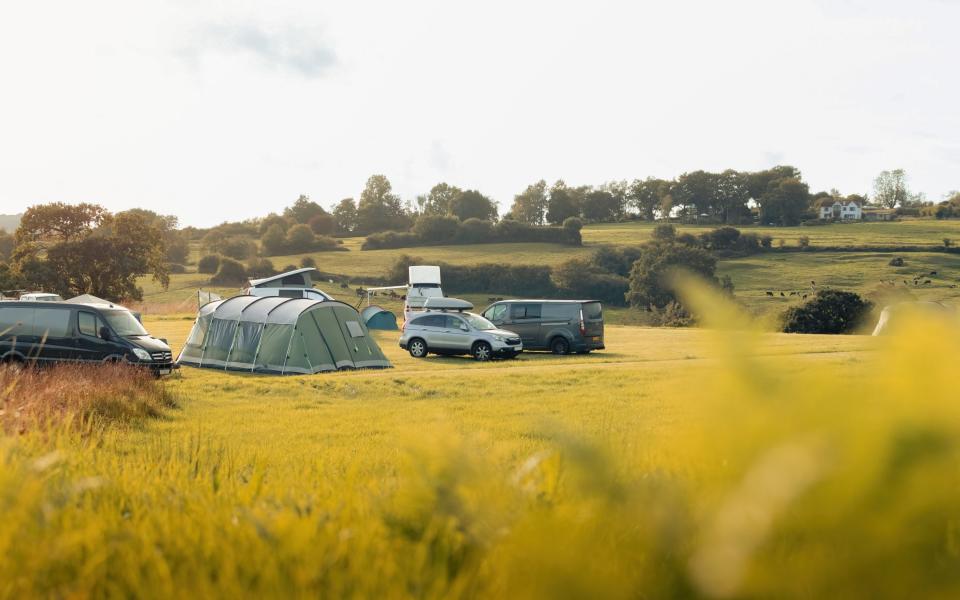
pixel 841 210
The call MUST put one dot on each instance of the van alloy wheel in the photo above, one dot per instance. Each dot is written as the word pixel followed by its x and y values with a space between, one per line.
pixel 482 351
pixel 418 348
pixel 560 346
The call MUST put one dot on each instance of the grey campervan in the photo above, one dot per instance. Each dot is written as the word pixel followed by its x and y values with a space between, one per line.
pixel 52 332
pixel 561 326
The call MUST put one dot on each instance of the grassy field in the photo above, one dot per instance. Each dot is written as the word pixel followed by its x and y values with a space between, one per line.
pixel 753 276
pixel 676 463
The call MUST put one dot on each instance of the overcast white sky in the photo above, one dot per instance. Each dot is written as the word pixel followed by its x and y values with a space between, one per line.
pixel 229 110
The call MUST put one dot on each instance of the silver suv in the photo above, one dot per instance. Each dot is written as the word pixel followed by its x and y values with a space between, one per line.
pixel 458 333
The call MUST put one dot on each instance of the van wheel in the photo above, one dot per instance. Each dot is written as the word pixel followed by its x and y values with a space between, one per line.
pixel 417 348
pixel 560 346
pixel 14 364
pixel 482 351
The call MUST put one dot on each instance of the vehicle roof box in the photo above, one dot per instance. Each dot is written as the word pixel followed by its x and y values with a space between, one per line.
pixel 424 274
pixel 447 304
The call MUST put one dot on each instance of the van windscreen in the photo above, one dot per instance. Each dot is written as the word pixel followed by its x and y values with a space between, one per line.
pixel 124 323
pixel 592 310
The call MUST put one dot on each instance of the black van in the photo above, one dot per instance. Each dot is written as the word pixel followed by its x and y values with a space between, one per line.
pixel 51 332
pixel 561 326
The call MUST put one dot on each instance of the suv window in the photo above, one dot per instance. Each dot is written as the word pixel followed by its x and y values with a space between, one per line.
pixel 430 321
pixel 456 323
pixel 52 322
pixel 525 311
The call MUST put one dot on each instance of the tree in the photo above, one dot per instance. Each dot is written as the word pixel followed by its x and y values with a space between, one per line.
pixel 7 244
pixel 46 224
pixel 440 199
pixel 108 261
pixel 646 195
pixel 530 206
pixel 890 188
pixel 231 272
pixel 471 204
pixel 649 276
pixel 561 204
pixel 619 190
pixel 273 241
pixel 785 202
pixel 599 206
pixel 379 208
pixel 209 264
pixel 345 216
pixel 731 197
pixel 323 224
pixel 303 209
pixel 273 219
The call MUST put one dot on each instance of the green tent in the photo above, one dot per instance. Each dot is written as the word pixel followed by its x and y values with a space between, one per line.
pixel 271 334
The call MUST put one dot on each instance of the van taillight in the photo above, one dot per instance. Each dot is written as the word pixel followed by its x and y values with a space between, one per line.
pixel 583 327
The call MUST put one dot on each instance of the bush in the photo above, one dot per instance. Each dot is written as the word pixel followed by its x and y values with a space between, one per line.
pixel 209 264
pixel 271 220
pixel 766 241
pixel 287 268
pixel 390 239
pixel 238 248
pixel 274 240
pixel 308 261
pixel 896 262
pixel 300 238
pixel 432 229
pixel 261 267
pixel 803 241
pixel 664 232
pixel 672 315
pixel 829 311
pixel 572 224
pixel 947 242
pixel 176 269
pixel 579 278
pixel 649 276
pixel 617 260
pixel 475 231
pixel 231 272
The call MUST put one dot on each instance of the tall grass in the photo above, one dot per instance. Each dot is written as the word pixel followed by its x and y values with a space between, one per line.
pixel 79 395
pixel 744 476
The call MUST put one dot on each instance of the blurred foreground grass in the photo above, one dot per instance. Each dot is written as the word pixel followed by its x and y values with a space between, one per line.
pixel 678 463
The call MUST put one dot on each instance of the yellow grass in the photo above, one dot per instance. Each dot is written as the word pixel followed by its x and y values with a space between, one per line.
pixel 677 463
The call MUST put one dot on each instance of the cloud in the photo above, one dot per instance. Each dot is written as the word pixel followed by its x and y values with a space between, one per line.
pixel 295 49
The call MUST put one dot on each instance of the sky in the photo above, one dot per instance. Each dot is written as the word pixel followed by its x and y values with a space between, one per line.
pixel 218 111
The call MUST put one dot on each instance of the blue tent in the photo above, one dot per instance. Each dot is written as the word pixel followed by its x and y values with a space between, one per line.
pixel 377 317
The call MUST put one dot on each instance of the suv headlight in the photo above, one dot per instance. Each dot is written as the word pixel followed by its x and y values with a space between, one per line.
pixel 499 338
pixel 141 354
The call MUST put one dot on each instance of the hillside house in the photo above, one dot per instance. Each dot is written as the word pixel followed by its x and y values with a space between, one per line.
pixel 841 210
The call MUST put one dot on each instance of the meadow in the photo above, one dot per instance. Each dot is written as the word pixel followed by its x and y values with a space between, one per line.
pixel 716 463
pixel 867 273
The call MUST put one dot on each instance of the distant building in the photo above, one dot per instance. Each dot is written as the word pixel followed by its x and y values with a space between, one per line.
pixel 841 210
pixel 879 214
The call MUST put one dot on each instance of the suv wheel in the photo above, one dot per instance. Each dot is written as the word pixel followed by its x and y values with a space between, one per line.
pixel 560 346
pixel 482 351
pixel 417 348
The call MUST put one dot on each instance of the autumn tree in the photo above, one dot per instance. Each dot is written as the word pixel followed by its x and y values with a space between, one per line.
pixel 530 205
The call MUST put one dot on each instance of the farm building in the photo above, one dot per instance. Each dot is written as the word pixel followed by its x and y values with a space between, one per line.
pixel 279 335
pixel 377 317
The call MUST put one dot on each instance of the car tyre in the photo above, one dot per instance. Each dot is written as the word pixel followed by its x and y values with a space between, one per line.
pixel 417 348
pixel 560 346
pixel 482 351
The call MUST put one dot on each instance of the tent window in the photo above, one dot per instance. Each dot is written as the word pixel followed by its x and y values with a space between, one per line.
pixel 354 328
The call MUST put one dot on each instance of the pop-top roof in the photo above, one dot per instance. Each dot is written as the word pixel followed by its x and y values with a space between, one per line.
pixel 259 282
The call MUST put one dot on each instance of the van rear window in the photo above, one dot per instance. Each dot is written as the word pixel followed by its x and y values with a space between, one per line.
pixel 52 322
pixel 592 310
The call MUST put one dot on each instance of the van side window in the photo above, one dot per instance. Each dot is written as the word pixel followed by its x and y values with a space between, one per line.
pixel 16 321
pixel 52 322
pixel 555 310
pixel 496 313
pixel 87 323
pixel 525 311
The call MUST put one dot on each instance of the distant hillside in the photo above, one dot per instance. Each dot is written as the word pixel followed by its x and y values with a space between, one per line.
pixel 10 222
